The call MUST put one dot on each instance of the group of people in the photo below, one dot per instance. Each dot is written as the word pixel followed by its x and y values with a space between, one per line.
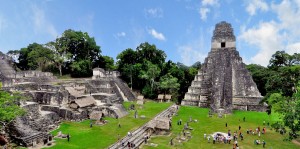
pixel 257 142
pixel 129 144
pixel 257 131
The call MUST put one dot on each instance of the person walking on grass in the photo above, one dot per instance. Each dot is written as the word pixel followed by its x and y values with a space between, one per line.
pixel 264 143
pixel 68 137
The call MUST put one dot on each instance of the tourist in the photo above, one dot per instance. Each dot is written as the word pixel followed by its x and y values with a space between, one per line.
pixel 205 136
pixel 171 142
pixel 264 143
pixel 68 137
pixel 214 139
pixel 257 142
pixel 226 124
pixel 228 139
pixel 242 137
pixel 128 144
pixel 135 114
pixel 247 131
pixel 240 127
pixel 234 136
pixel 208 139
pixel 119 125
pixel 119 137
pixel 224 139
pixel 180 121
pixel 259 134
pixel 145 139
pixel 91 124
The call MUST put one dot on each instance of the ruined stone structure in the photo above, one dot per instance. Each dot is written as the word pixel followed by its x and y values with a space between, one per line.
pixel 223 83
pixel 52 100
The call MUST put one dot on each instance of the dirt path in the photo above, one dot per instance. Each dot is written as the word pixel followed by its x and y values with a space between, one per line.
pixel 296 142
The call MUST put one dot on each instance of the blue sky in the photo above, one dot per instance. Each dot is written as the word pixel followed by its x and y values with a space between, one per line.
pixel 182 28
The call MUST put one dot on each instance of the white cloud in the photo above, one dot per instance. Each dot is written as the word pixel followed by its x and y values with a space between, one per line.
pixel 254 5
pixel 272 36
pixel 156 34
pixel 193 51
pixel 293 48
pixel 210 2
pixel 190 54
pixel 41 24
pixel 154 12
pixel 203 13
pixel 267 38
pixel 121 34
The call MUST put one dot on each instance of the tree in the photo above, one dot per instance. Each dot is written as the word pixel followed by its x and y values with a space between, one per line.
pixel 83 50
pixel 106 62
pixel 168 83
pixel 150 74
pixel 9 107
pixel 60 54
pixel 279 59
pixel 34 56
pixel 289 108
pixel 81 68
pixel 39 56
pixel 23 60
pixel 197 65
pixel 79 44
pixel 148 52
pixel 260 76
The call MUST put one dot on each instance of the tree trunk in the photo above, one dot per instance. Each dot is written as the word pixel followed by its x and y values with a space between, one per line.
pixel 60 71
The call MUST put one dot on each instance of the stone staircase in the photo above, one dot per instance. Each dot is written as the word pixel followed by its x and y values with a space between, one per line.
pixel 125 89
pixel 6 70
pixel 119 110
pixel 137 137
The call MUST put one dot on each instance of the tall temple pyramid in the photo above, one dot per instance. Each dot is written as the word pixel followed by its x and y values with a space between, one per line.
pixel 223 83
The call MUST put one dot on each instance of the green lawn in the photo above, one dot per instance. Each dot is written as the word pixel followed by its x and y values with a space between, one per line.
pixel 213 124
pixel 82 136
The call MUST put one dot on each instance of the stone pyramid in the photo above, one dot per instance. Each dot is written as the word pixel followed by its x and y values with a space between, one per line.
pixel 223 83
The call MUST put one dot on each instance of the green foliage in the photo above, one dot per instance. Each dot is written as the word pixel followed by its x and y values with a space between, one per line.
pixel 106 62
pixel 169 83
pixel 81 68
pixel 9 106
pixel 39 56
pixel 74 52
pixel 150 74
pixel 260 76
pixel 289 108
pixel 80 50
